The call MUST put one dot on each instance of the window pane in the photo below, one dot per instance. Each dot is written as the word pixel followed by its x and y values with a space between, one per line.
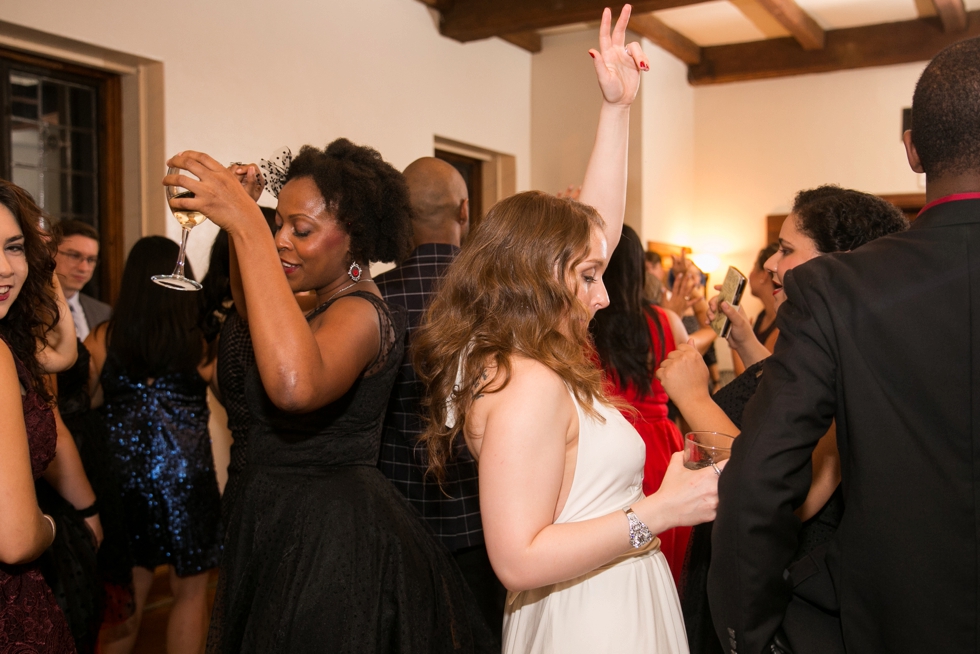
pixel 25 143
pixel 82 103
pixel 83 195
pixel 55 148
pixel 82 152
pixel 24 110
pixel 29 180
pixel 53 103
pixel 24 86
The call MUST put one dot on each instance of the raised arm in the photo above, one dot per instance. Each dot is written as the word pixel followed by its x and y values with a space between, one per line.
pixel 301 368
pixel 61 348
pixel 618 69
pixel 24 531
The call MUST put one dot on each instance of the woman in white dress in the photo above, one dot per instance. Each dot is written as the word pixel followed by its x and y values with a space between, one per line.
pixel 507 360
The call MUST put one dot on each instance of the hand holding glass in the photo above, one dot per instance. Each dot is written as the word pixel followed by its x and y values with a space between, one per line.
pixel 706 448
pixel 188 220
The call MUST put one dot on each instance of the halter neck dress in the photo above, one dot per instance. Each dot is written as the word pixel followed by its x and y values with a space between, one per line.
pixel 627 605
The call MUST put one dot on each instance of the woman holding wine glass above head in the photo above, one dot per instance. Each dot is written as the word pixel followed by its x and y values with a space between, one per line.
pixel 322 552
pixel 505 353
pixel 151 375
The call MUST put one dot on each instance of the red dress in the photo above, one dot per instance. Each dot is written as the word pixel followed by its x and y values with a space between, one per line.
pixel 661 435
pixel 30 619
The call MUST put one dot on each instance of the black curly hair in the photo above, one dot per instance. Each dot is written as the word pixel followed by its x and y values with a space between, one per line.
pixel 366 194
pixel 946 111
pixel 839 219
pixel 35 311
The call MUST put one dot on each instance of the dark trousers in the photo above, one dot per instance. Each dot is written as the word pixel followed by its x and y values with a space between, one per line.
pixel 489 592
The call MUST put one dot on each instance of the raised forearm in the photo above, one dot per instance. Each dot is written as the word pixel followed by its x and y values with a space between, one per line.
pixel 604 186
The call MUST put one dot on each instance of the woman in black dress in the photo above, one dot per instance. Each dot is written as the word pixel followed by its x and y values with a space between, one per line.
pixel 322 553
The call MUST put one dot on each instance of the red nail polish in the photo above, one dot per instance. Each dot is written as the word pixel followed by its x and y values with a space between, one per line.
pixel 645 66
pixel 592 54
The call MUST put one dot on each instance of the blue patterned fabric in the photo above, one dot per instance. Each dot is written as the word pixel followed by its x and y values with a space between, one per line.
pixel 159 438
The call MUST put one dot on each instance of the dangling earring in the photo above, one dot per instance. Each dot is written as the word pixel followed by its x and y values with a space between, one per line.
pixel 354 272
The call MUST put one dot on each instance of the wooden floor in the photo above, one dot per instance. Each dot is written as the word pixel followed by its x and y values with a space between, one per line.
pixel 153 630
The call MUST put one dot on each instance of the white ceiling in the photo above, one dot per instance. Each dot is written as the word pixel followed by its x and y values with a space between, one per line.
pixel 737 21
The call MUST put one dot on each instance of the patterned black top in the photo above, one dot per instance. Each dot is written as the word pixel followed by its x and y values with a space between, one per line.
pixel 455 519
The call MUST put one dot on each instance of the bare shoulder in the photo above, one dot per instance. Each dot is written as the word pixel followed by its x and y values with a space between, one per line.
pixel 533 387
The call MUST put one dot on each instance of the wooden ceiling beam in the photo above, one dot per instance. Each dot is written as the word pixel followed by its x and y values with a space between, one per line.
pixel 797 22
pixel 855 47
pixel 530 40
pixel 952 13
pixel 654 29
pixel 469 20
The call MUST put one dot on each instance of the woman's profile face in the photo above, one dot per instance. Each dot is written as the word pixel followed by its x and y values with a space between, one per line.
pixel 13 262
pixel 587 276
pixel 313 248
pixel 795 248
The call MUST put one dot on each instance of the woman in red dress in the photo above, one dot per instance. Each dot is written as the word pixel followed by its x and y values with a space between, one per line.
pixel 30 620
pixel 632 337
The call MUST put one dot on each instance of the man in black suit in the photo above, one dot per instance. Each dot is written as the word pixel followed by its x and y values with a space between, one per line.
pixel 886 340
pixel 77 255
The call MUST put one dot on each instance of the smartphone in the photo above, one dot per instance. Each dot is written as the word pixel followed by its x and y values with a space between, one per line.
pixel 731 292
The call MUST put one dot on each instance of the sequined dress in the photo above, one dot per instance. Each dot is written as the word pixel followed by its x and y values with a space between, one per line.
pixel 323 554
pixel 162 448
pixel 30 620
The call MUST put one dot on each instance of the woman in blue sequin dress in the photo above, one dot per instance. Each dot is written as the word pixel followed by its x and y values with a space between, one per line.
pixel 148 359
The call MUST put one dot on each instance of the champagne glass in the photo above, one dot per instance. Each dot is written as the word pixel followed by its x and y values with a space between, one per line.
pixel 188 220
pixel 706 448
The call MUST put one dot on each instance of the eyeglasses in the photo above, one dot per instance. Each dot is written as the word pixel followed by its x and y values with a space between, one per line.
pixel 78 257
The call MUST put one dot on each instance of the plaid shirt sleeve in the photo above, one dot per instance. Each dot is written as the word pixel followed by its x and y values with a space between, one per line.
pixel 454 519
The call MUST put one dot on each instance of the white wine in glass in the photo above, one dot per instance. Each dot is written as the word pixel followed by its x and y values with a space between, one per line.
pixel 188 220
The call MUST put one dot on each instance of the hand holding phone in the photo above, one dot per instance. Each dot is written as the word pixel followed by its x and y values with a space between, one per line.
pixel 731 292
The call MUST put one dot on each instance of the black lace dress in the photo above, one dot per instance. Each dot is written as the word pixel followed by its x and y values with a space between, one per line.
pixel 322 553
pixel 235 357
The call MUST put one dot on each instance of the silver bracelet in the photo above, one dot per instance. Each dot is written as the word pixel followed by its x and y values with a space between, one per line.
pixel 640 534
pixel 54 529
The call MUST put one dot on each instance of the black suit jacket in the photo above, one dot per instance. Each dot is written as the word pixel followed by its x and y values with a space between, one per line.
pixel 885 339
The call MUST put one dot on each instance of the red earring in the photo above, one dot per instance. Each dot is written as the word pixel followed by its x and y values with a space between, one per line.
pixel 354 272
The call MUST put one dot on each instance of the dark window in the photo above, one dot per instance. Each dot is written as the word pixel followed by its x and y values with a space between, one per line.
pixel 58 130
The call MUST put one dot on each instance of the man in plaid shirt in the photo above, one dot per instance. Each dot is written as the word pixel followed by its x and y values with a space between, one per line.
pixel 441 205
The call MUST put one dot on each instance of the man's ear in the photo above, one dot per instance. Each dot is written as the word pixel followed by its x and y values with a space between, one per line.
pixel 464 212
pixel 911 153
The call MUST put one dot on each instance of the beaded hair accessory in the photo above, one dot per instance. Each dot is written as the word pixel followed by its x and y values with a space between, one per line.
pixel 275 169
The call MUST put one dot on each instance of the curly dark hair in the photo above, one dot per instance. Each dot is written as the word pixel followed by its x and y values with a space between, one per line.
pixel 946 111
pixel 840 219
pixel 35 311
pixel 367 195
pixel 620 331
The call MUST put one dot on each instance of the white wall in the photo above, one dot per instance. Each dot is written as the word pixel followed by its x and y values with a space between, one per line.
pixel 758 143
pixel 668 149
pixel 244 77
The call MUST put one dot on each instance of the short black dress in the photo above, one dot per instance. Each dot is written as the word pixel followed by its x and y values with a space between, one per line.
pixel 161 445
pixel 322 553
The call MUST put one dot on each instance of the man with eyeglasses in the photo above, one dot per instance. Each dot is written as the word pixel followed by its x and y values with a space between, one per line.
pixel 76 257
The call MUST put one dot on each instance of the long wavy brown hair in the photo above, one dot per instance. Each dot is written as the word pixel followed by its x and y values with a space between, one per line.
pixel 35 311
pixel 509 292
